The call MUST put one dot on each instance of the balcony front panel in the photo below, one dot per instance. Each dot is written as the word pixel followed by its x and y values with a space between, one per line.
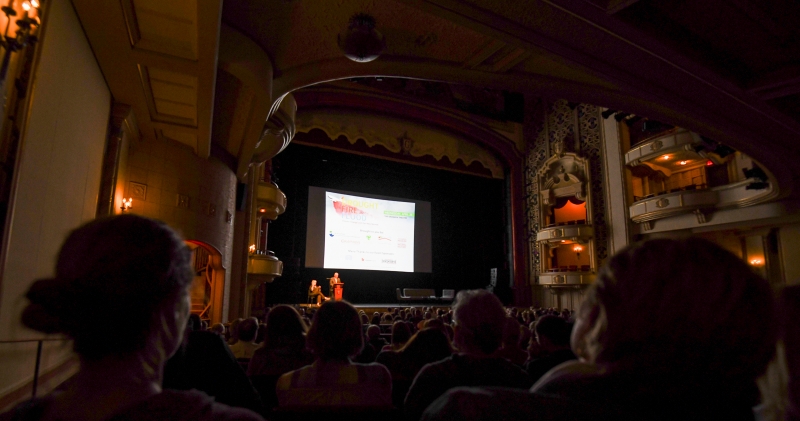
pixel 653 148
pixel 665 205
pixel 566 278
pixel 565 232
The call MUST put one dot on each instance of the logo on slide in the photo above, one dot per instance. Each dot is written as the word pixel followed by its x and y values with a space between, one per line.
pixel 330 233
pixel 369 237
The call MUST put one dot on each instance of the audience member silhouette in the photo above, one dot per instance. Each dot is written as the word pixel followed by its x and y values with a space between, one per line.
pixel 246 346
pixel 120 293
pixel 333 380
pixel 284 350
pixel 671 330
pixel 552 335
pixel 479 319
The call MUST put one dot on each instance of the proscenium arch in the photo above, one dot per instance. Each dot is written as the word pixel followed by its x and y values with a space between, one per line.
pixel 502 147
pixel 740 127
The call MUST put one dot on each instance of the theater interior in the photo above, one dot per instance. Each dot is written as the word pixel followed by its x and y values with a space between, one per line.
pixel 548 134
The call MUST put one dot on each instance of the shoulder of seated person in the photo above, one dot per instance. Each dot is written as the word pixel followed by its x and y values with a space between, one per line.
pixel 566 371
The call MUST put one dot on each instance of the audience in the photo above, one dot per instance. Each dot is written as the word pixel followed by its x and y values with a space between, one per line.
pixel 510 348
pixel 552 335
pixel 671 330
pixel 284 350
pixel 426 346
pixel 333 380
pixel 401 333
pixel 246 346
pixel 120 293
pixel 479 320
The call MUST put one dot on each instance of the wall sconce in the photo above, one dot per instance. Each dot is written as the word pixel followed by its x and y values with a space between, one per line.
pixel 126 204
pixel 756 262
pixel 577 249
pixel 23 36
pixel 252 248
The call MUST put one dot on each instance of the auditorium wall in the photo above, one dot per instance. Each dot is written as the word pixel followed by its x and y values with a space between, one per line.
pixel 57 186
pixel 169 182
pixel 578 128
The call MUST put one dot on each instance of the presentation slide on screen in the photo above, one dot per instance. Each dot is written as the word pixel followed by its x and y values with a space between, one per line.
pixel 368 233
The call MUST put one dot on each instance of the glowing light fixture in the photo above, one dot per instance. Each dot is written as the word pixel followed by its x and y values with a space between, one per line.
pixel 756 262
pixel 26 5
pixel 35 3
pixel 126 204
pixel 683 162
pixel 252 248
pixel 262 210
pixel 577 248
pixel 709 163
pixel 665 157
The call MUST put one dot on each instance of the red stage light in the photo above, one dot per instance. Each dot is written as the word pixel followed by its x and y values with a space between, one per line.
pixel 709 163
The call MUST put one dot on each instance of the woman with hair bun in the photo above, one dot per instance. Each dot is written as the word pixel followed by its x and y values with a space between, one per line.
pixel 120 293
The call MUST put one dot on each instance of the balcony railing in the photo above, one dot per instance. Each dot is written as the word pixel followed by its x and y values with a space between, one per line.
pixel 738 194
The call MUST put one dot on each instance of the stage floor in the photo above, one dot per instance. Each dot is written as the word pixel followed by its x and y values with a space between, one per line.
pixel 371 308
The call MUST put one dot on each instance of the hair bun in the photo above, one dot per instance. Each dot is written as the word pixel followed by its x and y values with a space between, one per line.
pixel 46 311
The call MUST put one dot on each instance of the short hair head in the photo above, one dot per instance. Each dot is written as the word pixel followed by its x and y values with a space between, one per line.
pixel 248 329
pixel 554 328
pixel 115 279
pixel 722 328
pixel 479 317
pixel 335 331
pixel 400 333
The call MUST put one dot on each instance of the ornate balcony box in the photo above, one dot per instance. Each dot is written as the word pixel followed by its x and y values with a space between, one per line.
pixel 673 142
pixel 557 234
pixel 669 204
pixel 271 201
pixel 566 278
pixel 263 268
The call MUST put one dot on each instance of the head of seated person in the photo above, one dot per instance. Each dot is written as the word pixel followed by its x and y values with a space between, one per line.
pixel 120 293
pixel 479 320
pixel 552 333
pixel 686 317
pixel 285 328
pixel 427 346
pixel 335 332
pixel 373 332
pixel 248 329
pixel 400 334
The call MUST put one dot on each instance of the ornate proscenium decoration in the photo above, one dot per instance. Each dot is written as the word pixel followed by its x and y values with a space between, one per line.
pixel 361 42
pixel 23 35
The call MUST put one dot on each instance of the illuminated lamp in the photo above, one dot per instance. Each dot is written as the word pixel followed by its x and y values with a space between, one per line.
pixel 577 249
pixel 709 163
pixel 252 248
pixel 262 210
pixel 24 35
pixel 756 262
pixel 683 162
pixel 126 204
pixel 665 157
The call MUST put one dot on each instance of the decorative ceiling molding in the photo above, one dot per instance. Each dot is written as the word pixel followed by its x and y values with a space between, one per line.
pixel 161 58
pixel 399 136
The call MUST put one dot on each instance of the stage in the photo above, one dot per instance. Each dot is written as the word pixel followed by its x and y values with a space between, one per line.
pixel 382 308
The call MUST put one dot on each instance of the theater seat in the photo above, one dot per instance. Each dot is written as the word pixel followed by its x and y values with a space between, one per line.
pixel 306 413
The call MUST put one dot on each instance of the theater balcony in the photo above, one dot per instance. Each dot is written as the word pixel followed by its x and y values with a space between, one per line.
pixel 679 172
pixel 263 267
pixel 270 200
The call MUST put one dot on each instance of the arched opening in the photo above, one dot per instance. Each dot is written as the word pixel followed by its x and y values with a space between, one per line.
pixel 208 287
